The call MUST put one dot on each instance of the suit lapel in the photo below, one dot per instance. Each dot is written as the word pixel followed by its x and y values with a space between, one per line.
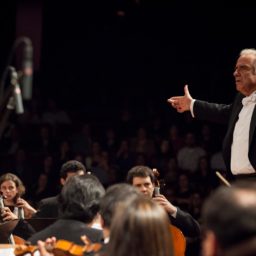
pixel 252 125
pixel 233 119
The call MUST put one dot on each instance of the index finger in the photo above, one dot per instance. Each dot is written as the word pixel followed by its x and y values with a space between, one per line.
pixel 175 98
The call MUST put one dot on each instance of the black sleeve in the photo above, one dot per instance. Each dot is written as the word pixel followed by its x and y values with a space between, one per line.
pixel 186 223
pixel 218 113
pixel 23 229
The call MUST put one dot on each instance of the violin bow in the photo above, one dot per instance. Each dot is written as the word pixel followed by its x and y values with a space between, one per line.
pixel 223 179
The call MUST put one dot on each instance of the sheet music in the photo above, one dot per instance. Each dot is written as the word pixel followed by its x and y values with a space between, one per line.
pixel 7 251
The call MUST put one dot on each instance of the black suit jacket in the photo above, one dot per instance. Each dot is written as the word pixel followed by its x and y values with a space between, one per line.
pixel 68 229
pixel 186 223
pixel 48 208
pixel 228 114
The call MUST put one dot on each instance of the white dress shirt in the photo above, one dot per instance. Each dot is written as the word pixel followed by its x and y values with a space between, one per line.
pixel 240 163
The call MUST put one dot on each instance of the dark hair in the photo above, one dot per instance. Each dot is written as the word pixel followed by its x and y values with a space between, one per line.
pixel 71 166
pixel 140 227
pixel 230 213
pixel 80 198
pixel 140 171
pixel 12 177
pixel 115 194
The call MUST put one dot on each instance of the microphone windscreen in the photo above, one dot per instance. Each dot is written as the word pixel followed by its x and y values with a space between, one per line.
pixel 27 70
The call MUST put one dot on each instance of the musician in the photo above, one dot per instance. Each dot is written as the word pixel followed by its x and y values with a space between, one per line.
pixel 48 207
pixel 239 144
pixel 229 221
pixel 140 227
pixel 135 215
pixel 15 207
pixel 78 206
pixel 144 179
pixel 115 194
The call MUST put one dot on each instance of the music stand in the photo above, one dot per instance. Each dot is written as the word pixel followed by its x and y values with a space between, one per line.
pixel 6 229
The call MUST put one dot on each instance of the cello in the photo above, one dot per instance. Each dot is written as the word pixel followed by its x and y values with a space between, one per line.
pixel 179 240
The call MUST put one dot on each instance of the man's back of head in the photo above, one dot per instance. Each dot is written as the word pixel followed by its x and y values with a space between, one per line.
pixel 115 195
pixel 80 198
pixel 229 214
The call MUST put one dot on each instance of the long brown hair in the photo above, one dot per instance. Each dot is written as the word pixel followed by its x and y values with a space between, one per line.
pixel 12 177
pixel 140 228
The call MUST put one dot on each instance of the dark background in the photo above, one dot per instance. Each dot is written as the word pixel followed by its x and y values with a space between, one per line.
pixel 95 60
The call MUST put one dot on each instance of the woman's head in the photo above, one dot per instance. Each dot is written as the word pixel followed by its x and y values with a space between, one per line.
pixel 140 227
pixel 11 186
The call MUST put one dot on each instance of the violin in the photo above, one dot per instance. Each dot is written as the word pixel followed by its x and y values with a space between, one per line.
pixel 179 240
pixel 60 248
pixel 18 240
pixel 23 249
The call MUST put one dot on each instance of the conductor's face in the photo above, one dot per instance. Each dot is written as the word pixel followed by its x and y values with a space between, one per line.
pixel 245 74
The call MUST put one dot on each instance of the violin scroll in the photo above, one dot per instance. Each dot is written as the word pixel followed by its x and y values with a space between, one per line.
pixel 158 183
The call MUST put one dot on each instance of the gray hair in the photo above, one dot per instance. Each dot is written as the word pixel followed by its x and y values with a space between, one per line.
pixel 247 51
pixel 252 52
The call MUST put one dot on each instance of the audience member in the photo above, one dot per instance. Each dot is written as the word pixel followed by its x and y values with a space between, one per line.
pixel 188 156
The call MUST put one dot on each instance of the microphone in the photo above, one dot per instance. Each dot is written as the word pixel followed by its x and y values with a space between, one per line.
pixel 27 69
pixel 16 92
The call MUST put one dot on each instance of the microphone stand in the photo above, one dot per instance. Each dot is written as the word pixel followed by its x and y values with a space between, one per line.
pixel 11 100
pixel 10 239
pixel 10 97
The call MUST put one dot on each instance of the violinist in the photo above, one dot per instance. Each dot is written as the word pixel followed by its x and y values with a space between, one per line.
pixel 144 179
pixel 115 195
pixel 15 207
pixel 78 206
pixel 138 227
